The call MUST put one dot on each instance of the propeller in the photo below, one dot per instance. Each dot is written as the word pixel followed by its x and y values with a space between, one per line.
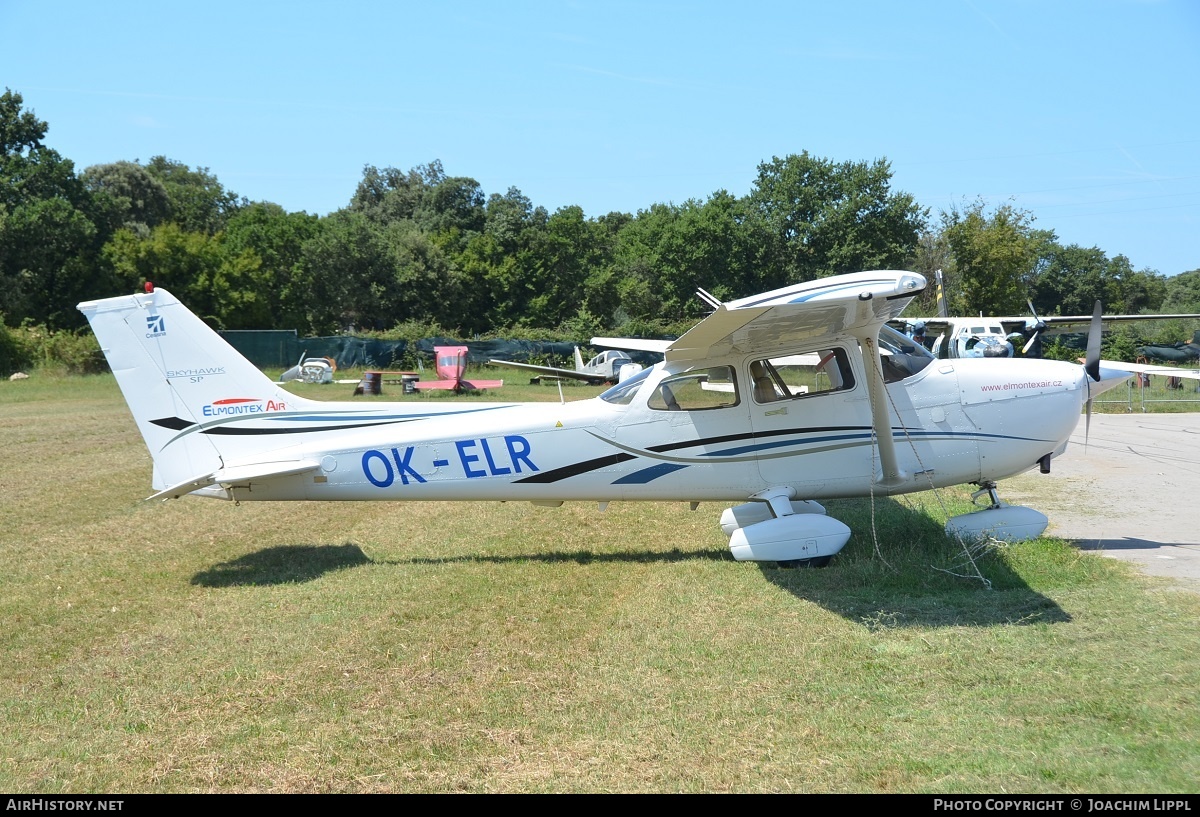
pixel 1038 326
pixel 1091 365
pixel 1092 361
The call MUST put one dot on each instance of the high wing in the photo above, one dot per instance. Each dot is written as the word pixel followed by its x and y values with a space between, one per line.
pixel 857 305
pixel 780 321
pixel 592 378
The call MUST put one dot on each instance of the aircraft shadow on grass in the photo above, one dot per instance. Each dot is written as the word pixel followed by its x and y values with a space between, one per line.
pixel 287 564
pixel 936 586
pixel 920 601
pixel 284 564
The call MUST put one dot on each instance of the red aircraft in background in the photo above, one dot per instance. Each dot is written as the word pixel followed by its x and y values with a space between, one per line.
pixel 451 364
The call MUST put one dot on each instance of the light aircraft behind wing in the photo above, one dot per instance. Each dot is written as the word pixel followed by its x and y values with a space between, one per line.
pixel 451 364
pixel 726 417
pixel 966 337
pixel 607 367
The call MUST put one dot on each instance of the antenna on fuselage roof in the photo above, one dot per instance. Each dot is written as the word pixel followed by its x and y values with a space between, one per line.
pixel 708 298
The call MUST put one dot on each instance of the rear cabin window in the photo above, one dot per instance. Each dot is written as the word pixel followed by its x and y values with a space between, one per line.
pixel 793 376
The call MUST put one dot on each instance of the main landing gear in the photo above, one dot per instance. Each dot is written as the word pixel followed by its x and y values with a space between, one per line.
pixel 998 520
pixel 777 529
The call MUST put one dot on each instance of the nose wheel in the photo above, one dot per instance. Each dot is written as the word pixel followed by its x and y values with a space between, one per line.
pixel 998 520
pixel 987 487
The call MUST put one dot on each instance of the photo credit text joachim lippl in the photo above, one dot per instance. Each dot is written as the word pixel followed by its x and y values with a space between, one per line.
pixel 1079 805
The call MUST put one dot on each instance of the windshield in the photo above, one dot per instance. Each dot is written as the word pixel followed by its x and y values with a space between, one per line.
pixel 624 391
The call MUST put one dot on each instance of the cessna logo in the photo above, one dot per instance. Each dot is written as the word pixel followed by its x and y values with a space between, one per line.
pixel 156 327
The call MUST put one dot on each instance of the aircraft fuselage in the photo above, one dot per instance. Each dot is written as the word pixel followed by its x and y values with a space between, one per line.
pixel 953 422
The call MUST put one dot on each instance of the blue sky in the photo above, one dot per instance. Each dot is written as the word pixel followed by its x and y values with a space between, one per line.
pixel 1084 113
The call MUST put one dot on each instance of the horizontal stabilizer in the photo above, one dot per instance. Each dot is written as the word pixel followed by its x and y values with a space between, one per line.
pixel 236 474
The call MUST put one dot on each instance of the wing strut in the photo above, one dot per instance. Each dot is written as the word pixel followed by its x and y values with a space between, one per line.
pixel 892 473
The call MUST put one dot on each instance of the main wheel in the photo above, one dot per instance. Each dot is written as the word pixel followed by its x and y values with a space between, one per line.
pixel 816 561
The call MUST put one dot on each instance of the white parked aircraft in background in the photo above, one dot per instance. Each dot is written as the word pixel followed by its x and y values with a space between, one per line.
pixel 726 417
pixel 962 337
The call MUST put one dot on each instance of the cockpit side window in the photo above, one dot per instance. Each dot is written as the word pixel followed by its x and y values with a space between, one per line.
pixel 901 356
pixel 792 376
pixel 696 390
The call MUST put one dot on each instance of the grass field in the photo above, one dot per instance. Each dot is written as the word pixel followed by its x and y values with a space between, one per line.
pixel 202 646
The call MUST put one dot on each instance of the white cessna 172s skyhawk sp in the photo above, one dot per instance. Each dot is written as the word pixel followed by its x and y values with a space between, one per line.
pixel 725 417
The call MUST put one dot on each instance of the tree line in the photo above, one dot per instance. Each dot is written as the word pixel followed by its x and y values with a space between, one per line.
pixel 422 247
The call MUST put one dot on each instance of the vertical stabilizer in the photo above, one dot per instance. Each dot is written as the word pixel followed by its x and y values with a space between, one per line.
pixel 182 381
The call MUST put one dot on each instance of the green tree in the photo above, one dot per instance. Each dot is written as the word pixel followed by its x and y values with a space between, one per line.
pixel 48 239
pixel 276 238
pixel 507 216
pixel 350 275
pixel 128 195
pixel 428 287
pixel 665 254
pixel 1131 291
pixel 932 254
pixel 996 258
pixel 388 194
pixel 827 218
pixel 548 286
pixel 1071 279
pixel 1182 292
pixel 215 283
pixel 198 202
pixel 452 209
